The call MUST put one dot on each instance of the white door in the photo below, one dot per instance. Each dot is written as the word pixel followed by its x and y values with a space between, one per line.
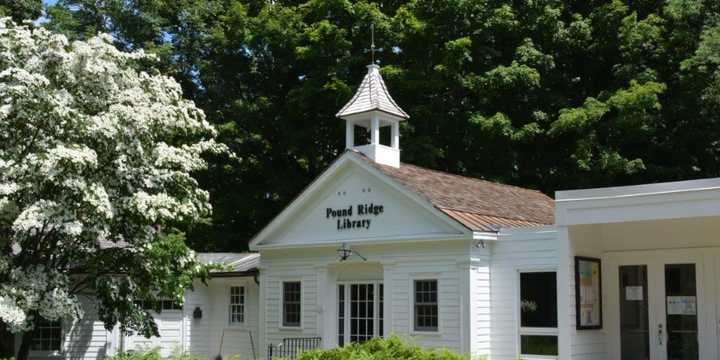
pixel 360 311
pixel 654 300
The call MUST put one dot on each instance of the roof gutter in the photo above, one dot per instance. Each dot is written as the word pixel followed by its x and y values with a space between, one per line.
pixel 229 274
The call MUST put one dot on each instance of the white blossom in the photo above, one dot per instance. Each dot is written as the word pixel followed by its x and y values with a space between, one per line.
pixel 86 138
pixel 12 315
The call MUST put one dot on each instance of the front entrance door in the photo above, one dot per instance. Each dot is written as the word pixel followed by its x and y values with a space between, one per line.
pixel 360 311
pixel 655 299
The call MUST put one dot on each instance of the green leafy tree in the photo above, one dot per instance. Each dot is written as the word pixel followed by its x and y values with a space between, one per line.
pixel 97 157
pixel 551 94
pixel 21 10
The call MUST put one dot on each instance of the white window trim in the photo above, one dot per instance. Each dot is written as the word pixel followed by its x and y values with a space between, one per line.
pixel 411 302
pixel 281 311
pixel 530 330
pixel 228 297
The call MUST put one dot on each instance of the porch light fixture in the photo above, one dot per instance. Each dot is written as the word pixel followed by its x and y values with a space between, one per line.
pixel 344 252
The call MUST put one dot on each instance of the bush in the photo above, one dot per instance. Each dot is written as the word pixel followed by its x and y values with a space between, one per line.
pixel 390 348
pixel 152 354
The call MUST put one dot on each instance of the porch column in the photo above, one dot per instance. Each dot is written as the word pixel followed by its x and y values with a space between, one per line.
pixel 564 293
pixel 388 321
pixel 326 306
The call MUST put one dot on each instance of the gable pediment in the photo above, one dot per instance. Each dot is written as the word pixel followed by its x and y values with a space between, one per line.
pixel 352 201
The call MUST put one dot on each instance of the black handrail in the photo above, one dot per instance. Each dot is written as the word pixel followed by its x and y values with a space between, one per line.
pixel 292 347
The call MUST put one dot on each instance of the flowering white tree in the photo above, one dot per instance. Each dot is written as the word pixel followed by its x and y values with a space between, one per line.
pixel 96 164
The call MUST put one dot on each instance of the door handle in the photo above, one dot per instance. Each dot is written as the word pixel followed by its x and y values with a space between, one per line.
pixel 660 334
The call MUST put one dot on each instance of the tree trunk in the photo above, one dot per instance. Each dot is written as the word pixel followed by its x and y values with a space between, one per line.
pixel 24 349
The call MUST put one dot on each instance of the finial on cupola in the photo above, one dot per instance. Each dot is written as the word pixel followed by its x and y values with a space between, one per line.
pixel 373 108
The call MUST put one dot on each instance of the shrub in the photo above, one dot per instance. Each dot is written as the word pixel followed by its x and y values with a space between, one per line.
pixel 152 354
pixel 390 348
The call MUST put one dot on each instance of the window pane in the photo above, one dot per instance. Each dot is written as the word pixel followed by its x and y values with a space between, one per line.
pixel 237 304
pixel 47 336
pixel 682 326
pixel 291 304
pixel 538 345
pixel 634 321
pixel 426 306
pixel 538 299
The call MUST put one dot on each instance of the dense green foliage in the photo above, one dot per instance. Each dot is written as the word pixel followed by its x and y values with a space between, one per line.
pixel 20 10
pixel 390 348
pixel 151 354
pixel 550 94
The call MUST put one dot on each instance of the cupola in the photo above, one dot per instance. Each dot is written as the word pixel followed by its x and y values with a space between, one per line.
pixel 373 109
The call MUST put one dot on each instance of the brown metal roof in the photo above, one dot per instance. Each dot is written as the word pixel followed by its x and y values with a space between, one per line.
pixel 479 205
pixel 486 223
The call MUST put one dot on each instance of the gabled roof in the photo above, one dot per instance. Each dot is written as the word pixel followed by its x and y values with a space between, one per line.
pixel 479 205
pixel 372 95
pixel 237 264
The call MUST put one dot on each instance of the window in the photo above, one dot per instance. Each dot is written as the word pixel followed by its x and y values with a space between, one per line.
pixel 237 304
pixel 538 313
pixel 291 307
pixel 47 336
pixel 159 305
pixel 426 305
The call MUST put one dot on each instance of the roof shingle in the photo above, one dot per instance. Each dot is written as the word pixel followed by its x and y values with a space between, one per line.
pixel 479 205
pixel 372 95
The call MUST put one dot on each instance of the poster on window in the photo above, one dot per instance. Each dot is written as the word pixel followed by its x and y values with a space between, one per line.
pixel 588 293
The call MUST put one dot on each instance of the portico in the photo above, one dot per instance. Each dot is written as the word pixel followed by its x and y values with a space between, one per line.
pixel 660 253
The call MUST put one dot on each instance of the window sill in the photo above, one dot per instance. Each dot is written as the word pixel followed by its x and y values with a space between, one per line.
pixel 291 328
pixel 538 357
pixel 425 332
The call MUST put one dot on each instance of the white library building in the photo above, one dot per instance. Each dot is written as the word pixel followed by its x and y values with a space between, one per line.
pixel 375 246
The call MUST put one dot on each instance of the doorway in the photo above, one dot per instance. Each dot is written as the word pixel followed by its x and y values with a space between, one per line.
pixel 655 300
pixel 360 311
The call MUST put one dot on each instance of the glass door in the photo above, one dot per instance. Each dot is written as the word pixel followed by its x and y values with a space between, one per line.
pixel 360 313
pixel 634 312
pixel 681 317
pixel 658 302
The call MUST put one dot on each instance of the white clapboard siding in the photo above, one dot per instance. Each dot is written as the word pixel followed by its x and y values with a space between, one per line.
pixel 86 338
pixel 446 261
pixel 197 331
pixel 508 257
pixel 479 302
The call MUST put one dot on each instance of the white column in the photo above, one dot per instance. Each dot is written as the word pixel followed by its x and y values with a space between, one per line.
pixel 395 143
pixel 375 130
pixel 563 289
pixel 349 134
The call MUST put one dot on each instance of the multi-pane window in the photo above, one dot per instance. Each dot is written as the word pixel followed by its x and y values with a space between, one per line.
pixel 381 309
pixel 237 304
pixel 47 336
pixel 538 313
pixel 291 304
pixel 341 314
pixel 160 305
pixel 426 305
pixel 360 311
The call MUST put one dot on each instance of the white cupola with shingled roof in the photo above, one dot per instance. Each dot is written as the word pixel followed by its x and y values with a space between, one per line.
pixel 374 110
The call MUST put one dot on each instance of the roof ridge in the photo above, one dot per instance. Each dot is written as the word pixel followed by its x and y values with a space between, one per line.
pixel 475 179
